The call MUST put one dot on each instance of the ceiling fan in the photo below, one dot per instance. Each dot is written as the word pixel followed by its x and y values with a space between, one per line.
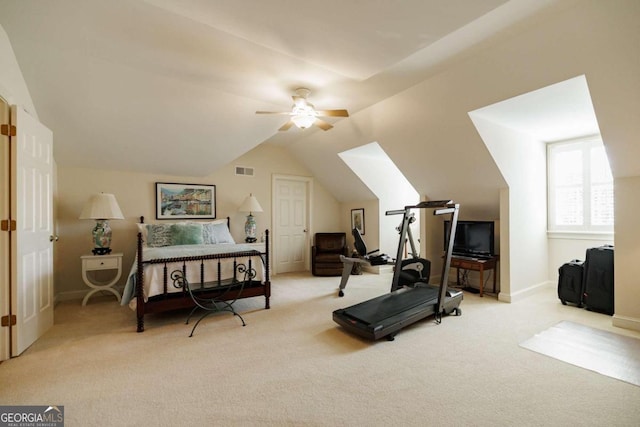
pixel 304 115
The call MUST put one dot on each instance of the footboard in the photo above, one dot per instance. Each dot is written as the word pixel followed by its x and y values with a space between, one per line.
pixel 243 283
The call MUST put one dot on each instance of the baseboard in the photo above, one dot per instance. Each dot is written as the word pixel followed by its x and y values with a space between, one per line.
pixel 523 293
pixel 69 296
pixel 77 295
pixel 625 322
pixel 377 269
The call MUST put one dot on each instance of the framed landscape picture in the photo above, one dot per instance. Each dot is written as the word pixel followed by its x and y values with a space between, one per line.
pixel 357 219
pixel 180 201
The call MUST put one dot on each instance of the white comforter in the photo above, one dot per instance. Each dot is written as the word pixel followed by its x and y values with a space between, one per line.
pixel 154 273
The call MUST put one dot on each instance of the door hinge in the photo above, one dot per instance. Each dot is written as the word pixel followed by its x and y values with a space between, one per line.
pixel 9 320
pixel 8 225
pixel 8 130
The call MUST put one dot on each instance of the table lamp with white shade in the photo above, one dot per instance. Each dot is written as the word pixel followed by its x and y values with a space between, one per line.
pixel 250 205
pixel 101 207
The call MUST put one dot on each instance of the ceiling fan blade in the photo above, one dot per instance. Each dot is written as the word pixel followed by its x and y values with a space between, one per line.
pixel 282 113
pixel 286 126
pixel 333 113
pixel 322 124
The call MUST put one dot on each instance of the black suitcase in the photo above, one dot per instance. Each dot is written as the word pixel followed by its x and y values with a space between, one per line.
pixel 598 279
pixel 570 282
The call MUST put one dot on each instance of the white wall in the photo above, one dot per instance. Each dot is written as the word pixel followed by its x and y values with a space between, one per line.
pixel 135 193
pixel 627 253
pixel 13 88
pixel 562 250
pixel 522 161
pixel 376 170
pixel 371 222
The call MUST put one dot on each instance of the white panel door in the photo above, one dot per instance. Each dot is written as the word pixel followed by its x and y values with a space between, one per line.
pixel 291 225
pixel 31 243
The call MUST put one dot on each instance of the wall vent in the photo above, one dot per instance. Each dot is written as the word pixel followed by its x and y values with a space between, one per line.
pixel 243 170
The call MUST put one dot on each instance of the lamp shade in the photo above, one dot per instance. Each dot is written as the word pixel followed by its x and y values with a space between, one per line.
pixel 250 204
pixel 101 206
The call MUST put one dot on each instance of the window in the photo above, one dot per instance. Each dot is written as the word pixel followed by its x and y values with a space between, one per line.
pixel 580 187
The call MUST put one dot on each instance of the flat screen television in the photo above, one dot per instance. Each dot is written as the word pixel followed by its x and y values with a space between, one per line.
pixel 472 239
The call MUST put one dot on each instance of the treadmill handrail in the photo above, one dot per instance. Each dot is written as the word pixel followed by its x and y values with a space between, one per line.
pixel 432 204
pixel 444 276
pixel 445 211
pixel 424 205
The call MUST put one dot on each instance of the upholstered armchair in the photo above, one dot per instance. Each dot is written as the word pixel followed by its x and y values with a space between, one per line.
pixel 325 254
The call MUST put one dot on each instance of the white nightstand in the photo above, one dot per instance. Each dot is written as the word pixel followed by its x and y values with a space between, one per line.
pixel 98 263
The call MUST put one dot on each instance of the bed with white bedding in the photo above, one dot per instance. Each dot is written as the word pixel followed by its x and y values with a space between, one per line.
pixel 205 253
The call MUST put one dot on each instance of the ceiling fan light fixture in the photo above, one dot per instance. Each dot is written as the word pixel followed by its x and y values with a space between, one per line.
pixel 303 114
pixel 303 121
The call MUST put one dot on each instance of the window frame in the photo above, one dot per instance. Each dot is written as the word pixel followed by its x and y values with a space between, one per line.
pixel 586 230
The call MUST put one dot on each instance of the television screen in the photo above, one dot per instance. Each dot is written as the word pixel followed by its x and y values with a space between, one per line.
pixel 473 238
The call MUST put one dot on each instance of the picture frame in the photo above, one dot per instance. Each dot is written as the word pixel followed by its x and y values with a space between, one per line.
pixel 185 201
pixel 357 219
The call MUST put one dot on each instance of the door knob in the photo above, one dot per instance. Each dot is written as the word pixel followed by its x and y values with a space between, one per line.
pixel 53 238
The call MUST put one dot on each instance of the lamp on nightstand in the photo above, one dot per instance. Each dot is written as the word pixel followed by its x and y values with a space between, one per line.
pixel 250 205
pixel 101 207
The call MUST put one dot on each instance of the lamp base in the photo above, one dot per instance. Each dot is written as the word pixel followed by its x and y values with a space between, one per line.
pixel 101 237
pixel 250 229
pixel 101 251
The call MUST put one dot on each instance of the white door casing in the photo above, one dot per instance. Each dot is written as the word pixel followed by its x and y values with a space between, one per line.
pixel 31 243
pixel 5 213
pixel 291 223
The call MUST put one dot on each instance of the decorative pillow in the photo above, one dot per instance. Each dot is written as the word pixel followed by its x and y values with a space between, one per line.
pixel 159 235
pixel 186 234
pixel 221 233
pixel 208 236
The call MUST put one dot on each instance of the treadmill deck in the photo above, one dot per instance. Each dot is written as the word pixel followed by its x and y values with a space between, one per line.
pixel 388 313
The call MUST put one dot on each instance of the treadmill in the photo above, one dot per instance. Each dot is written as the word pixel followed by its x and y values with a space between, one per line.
pixel 387 314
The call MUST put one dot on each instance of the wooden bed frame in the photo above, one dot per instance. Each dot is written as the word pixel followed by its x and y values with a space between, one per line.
pixel 168 301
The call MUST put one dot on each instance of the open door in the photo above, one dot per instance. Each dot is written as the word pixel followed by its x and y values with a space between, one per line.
pixel 32 230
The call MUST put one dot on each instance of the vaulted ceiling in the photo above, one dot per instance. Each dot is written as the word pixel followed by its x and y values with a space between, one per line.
pixel 171 86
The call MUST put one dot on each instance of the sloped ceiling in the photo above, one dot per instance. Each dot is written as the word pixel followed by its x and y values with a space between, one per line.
pixel 171 86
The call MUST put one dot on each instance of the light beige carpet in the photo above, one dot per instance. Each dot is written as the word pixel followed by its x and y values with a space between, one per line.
pixel 293 366
pixel 607 353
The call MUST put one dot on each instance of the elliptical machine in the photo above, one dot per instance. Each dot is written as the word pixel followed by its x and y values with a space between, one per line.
pixel 413 269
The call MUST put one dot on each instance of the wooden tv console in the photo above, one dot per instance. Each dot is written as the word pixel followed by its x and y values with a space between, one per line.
pixel 475 264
